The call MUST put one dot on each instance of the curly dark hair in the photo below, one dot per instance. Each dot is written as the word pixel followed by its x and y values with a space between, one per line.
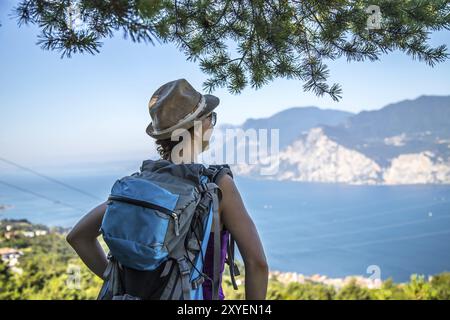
pixel 164 147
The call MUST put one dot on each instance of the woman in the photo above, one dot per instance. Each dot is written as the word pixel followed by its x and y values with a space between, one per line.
pixel 174 107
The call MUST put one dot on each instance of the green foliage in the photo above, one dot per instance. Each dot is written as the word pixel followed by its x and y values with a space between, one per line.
pixel 441 284
pixel 354 292
pixel 46 272
pixel 49 265
pixel 419 289
pixel 416 289
pixel 6 282
pixel 388 291
pixel 309 291
pixel 270 39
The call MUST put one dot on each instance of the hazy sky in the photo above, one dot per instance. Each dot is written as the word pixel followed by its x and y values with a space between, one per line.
pixel 94 108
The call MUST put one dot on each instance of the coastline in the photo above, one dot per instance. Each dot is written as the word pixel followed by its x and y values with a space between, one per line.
pixel 28 249
pixel 22 227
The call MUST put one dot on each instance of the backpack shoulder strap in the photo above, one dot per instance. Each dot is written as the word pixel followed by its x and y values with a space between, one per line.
pixel 232 266
pixel 215 173
pixel 210 195
pixel 217 251
pixel 112 284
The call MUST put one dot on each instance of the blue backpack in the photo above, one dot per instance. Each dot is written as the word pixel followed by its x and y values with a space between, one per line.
pixel 157 226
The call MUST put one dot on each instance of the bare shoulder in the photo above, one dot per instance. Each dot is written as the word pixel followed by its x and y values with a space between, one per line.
pixel 227 185
pixel 231 201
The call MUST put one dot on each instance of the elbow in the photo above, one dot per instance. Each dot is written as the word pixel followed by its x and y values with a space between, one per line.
pixel 76 238
pixel 258 264
pixel 263 266
pixel 71 238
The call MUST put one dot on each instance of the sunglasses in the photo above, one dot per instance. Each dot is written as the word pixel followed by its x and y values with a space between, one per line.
pixel 213 117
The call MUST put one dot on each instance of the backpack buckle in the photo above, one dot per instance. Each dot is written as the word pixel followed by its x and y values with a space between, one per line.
pixel 197 282
pixel 210 171
pixel 183 266
pixel 203 187
pixel 233 265
pixel 202 207
pixel 213 169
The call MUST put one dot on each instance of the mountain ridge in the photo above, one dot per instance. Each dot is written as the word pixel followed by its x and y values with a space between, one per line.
pixel 400 143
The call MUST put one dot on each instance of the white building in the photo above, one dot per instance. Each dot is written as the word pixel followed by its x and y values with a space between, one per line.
pixel 40 233
pixel 28 234
pixel 10 256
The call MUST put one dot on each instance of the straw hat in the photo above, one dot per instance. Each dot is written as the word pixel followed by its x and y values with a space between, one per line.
pixel 176 105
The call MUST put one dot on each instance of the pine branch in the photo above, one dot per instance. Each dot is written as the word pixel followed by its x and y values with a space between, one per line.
pixel 274 38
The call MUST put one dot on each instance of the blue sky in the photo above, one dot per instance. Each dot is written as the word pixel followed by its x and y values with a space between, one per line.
pixel 94 108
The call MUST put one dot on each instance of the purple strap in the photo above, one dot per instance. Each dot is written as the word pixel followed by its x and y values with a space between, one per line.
pixel 209 261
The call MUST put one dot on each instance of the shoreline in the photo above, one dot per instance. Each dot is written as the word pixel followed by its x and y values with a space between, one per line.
pixel 337 283
pixel 13 228
pixel 24 246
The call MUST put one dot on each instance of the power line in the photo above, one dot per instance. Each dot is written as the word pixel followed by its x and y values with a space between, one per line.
pixel 50 179
pixel 41 196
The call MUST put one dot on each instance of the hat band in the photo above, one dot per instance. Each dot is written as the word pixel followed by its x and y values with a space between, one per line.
pixel 189 117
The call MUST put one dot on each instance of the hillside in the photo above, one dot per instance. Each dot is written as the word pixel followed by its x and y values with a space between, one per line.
pixel 402 143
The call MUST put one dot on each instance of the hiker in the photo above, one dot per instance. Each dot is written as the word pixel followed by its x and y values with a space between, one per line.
pixel 177 105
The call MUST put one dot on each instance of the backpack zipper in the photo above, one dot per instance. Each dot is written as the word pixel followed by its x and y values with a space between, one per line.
pixel 177 223
pixel 150 205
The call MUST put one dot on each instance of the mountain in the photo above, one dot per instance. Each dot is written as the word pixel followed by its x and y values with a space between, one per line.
pixel 294 121
pixel 409 126
pixel 402 143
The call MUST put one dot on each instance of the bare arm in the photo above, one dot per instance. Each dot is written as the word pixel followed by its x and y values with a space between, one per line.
pixel 236 219
pixel 83 238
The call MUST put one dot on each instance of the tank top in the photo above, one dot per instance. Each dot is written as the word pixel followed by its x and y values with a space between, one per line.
pixel 209 262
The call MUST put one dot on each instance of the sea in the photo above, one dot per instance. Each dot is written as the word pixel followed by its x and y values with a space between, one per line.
pixel 329 229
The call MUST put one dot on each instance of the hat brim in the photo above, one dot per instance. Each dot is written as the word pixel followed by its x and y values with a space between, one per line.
pixel 211 103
